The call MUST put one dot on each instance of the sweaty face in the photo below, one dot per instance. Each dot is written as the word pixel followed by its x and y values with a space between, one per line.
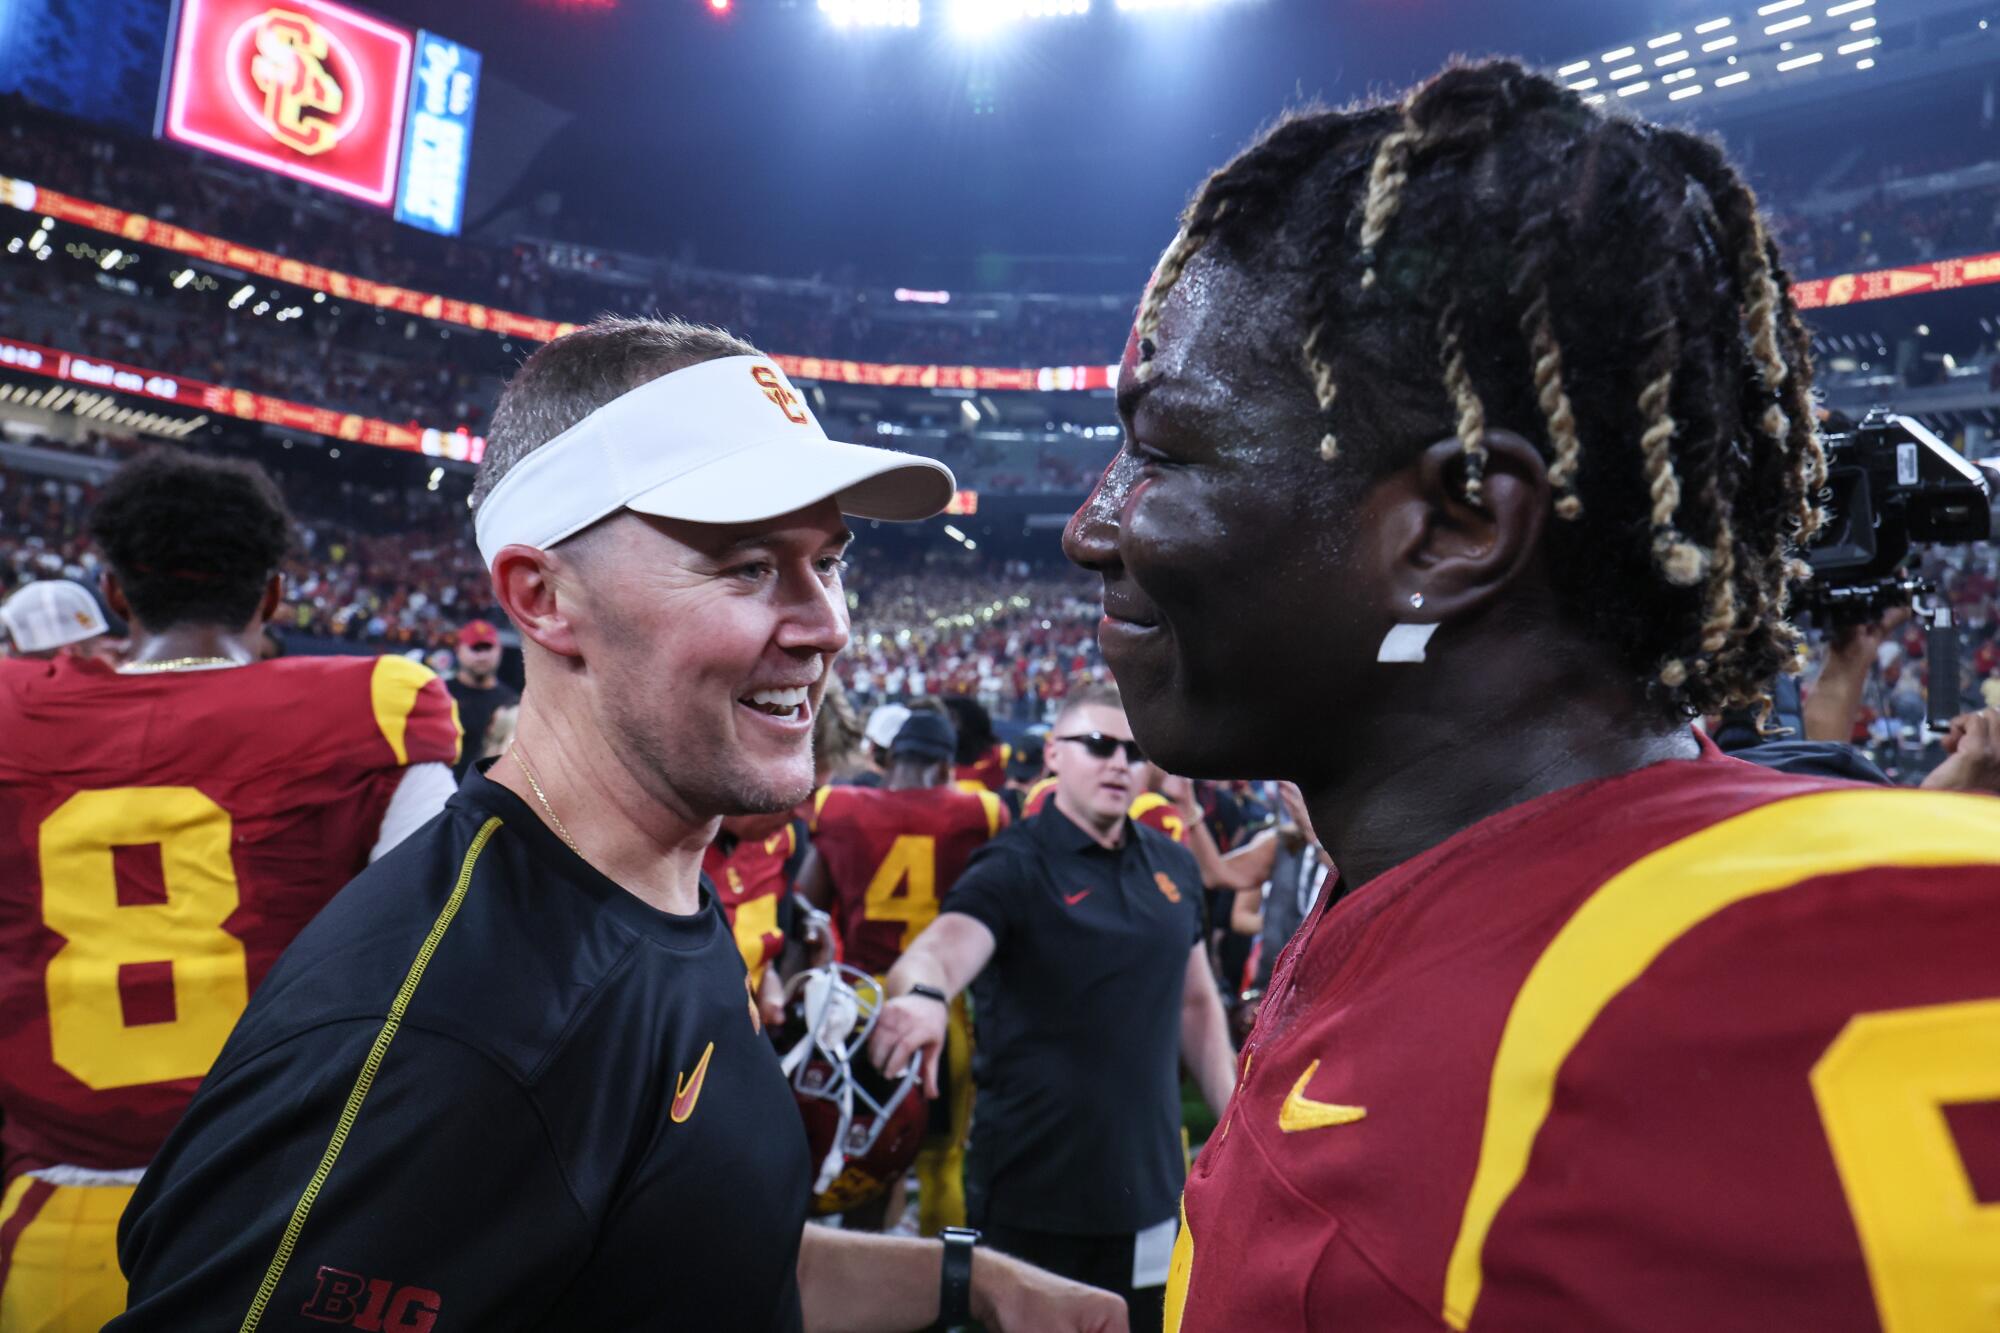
pixel 1100 788
pixel 709 647
pixel 1233 618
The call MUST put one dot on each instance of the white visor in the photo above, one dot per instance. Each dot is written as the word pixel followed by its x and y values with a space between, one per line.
pixel 724 441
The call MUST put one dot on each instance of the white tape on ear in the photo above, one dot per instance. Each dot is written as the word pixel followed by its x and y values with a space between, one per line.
pixel 1406 643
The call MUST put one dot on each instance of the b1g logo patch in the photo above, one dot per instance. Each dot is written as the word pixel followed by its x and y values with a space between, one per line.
pixel 376 1305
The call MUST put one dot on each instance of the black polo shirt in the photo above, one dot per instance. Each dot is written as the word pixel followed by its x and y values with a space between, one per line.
pixel 489 1086
pixel 1076 1053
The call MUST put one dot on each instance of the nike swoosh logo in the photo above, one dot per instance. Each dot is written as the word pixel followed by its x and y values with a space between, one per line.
pixel 1074 898
pixel 687 1088
pixel 1302 1112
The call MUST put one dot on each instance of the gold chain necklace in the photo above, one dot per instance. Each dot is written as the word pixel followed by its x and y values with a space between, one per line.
pixel 521 758
pixel 180 664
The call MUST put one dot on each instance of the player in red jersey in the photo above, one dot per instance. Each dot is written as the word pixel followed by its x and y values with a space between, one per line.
pixel 753 863
pixel 1598 1029
pixel 882 860
pixel 166 828
pixel 980 761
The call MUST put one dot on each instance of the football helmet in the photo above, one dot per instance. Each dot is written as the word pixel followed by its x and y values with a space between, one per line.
pixel 864 1128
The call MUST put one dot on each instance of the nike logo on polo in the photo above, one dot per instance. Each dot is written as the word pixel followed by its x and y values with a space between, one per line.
pixel 1074 898
pixel 1302 1112
pixel 687 1088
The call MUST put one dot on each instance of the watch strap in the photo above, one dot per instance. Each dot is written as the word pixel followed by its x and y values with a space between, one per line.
pixel 955 1289
pixel 930 993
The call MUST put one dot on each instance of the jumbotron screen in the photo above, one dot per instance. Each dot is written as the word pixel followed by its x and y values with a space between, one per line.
pixel 330 95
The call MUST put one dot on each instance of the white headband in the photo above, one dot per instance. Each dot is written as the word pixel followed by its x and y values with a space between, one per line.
pixel 724 441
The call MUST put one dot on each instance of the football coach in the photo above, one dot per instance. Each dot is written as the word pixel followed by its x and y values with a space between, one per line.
pixel 512 1077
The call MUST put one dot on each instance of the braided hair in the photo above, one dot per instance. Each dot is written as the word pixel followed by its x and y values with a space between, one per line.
pixel 1492 251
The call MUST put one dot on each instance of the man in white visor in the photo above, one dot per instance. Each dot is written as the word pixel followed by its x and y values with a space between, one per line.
pixel 512 1077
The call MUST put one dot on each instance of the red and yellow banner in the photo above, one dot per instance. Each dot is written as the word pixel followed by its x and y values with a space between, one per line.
pixel 1938 275
pixel 140 229
pixel 116 377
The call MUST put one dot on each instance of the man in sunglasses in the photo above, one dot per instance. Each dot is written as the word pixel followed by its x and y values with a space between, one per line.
pixel 1080 933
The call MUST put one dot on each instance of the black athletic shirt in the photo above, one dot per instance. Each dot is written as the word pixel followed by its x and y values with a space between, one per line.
pixel 1076 1048
pixel 488 1086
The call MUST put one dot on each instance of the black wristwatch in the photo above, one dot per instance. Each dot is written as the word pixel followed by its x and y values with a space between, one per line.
pixel 933 993
pixel 955 1290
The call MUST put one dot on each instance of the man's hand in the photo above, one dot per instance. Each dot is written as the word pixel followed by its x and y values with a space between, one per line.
pixel 1181 792
pixel 909 1025
pixel 1009 1296
pixel 1973 744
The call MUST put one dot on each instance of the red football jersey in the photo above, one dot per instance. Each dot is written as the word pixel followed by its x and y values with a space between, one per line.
pixel 989 770
pixel 750 884
pixel 892 857
pixel 1148 807
pixel 1701 1046
pixel 162 839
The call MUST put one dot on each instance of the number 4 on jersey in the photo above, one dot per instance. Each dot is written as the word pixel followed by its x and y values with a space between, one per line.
pixel 905 885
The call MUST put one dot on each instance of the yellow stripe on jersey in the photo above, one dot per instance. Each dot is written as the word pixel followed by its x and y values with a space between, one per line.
pixel 393 690
pixel 1636 914
pixel 369 1068
pixel 991 804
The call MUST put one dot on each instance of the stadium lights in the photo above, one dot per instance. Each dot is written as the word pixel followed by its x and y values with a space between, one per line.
pixel 1788 25
pixel 1625 73
pixel 1728 79
pixel 15 246
pixel 1620 54
pixel 1583 85
pixel 1680 93
pixel 1865 64
pixel 1574 67
pixel 1800 62
pixel 1671 58
pixel 1861 45
pixel 1655 43
pixel 110 259
pixel 979 17
pixel 41 235
pixel 1719 44
pixel 1778 8
pixel 1861 25
pixel 183 278
pixel 1849 7
pixel 1631 88
pixel 1711 26
pixel 872 13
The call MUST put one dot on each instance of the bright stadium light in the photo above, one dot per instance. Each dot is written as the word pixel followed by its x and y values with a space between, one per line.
pixel 1583 85
pixel 1671 58
pixel 1728 79
pixel 1779 7
pixel 1800 62
pixel 1625 73
pixel 1711 25
pixel 1865 64
pixel 1655 43
pixel 1631 88
pixel 1680 93
pixel 1719 44
pixel 872 13
pixel 1849 7
pixel 1788 25
pixel 1861 25
pixel 979 17
pixel 1574 67
pixel 1851 47
pixel 1622 53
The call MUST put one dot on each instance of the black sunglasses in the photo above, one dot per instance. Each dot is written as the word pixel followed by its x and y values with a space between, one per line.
pixel 1102 746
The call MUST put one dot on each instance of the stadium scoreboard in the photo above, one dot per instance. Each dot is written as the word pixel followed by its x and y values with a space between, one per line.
pixel 327 94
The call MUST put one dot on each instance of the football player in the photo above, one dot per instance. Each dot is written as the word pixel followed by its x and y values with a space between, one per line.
pixel 1599 1028
pixel 166 828
pixel 981 758
pixel 882 860
pixel 753 863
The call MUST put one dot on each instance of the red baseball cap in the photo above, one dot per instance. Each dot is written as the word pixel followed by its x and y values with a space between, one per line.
pixel 477 631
